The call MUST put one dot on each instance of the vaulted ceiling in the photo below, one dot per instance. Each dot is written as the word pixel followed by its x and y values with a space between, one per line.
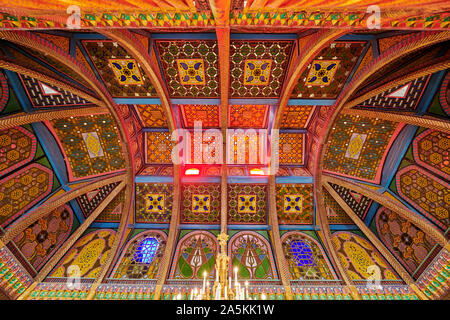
pixel 350 127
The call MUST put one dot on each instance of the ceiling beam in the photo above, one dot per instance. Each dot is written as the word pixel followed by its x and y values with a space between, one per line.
pixel 283 269
pixel 316 43
pixel 13 230
pixel 429 228
pixel 374 240
pixel 403 117
pixel 399 81
pixel 48 267
pixel 22 118
pixel 50 80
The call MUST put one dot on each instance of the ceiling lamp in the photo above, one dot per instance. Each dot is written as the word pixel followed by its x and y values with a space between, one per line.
pixel 192 172
pixel 256 172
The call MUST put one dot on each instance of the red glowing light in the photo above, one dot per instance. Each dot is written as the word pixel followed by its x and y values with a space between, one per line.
pixel 256 172
pixel 192 172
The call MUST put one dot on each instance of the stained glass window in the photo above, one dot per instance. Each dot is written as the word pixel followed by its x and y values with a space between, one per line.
pixel 146 250
pixel 142 256
pixel 302 253
pixel 305 258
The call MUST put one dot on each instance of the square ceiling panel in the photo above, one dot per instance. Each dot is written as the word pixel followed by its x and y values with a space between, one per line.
pixel 247 116
pixel 296 117
pixel 190 68
pixel 208 115
pixel 258 68
pixel 151 115
pixel 326 75
pixel 158 147
pixel 121 74
pixel 291 148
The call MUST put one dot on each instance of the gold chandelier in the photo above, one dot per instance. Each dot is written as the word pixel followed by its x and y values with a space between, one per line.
pixel 223 288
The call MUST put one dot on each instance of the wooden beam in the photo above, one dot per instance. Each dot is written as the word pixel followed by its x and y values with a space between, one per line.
pixel 392 205
pixel 373 239
pixel 316 43
pixel 19 119
pixel 397 82
pixel 283 269
pixel 322 218
pixel 55 203
pixel 173 233
pixel 133 47
pixel 403 117
pixel 118 240
pixel 50 264
pixel 52 81
pixel 223 40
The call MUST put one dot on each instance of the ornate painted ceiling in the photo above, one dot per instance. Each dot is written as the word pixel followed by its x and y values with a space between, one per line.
pixel 133 132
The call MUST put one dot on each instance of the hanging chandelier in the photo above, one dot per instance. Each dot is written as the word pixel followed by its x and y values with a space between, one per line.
pixel 223 288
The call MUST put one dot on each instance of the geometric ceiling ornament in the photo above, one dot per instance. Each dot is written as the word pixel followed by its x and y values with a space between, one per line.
pixel 294 203
pixel 291 148
pixel 257 72
pixel 356 254
pixel 355 145
pixel 402 97
pixel 258 68
pixel 400 93
pixel 126 71
pixel 207 115
pixel 357 202
pixel 247 116
pixel 327 74
pixel 322 72
pixel 247 203
pixel 113 211
pixel 358 146
pixel 17 147
pixel 90 201
pixel 48 90
pixel 425 192
pixel 120 73
pixel 191 71
pixel 42 94
pixel 190 68
pixel 410 245
pixel 91 144
pixel 296 117
pixel 23 189
pixel 335 213
pixel 151 115
pixel 431 151
pixel 444 94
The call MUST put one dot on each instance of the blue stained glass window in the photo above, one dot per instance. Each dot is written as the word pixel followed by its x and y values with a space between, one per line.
pixel 302 253
pixel 146 250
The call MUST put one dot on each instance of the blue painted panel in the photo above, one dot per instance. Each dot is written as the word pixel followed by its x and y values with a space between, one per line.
pixel 153 179
pixel 51 149
pixel 343 227
pixel 77 210
pixel 311 102
pixel 294 179
pixel 396 153
pixel 430 91
pixel 195 101
pixel 105 225
pixel 250 179
pixel 200 179
pixel 19 90
pixel 137 100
